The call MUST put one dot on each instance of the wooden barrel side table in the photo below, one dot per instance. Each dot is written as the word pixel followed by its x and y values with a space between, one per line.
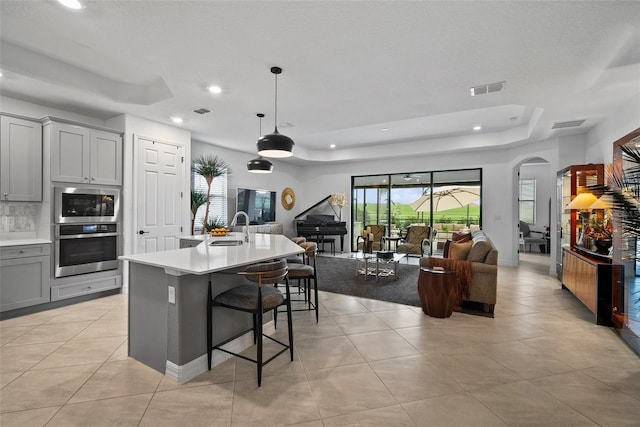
pixel 438 291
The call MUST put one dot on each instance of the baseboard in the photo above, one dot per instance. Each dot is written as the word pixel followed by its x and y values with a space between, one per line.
pixel 190 370
pixel 508 262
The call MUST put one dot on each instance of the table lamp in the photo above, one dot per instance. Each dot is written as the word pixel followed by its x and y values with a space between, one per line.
pixel 583 203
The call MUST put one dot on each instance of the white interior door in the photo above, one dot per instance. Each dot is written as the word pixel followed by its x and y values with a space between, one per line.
pixel 158 195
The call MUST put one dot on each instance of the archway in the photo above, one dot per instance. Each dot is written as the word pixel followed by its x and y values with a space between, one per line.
pixel 535 189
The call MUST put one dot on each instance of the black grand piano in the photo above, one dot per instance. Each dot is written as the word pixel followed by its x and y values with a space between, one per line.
pixel 316 227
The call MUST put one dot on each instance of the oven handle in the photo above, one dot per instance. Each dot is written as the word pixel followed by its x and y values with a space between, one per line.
pixel 86 236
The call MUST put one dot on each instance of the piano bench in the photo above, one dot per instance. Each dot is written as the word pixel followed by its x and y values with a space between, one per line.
pixel 322 241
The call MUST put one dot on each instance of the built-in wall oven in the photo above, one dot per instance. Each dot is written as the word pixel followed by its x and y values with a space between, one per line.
pixel 87 230
pixel 85 248
pixel 83 205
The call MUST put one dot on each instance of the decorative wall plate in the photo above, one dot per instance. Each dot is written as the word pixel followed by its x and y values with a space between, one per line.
pixel 288 198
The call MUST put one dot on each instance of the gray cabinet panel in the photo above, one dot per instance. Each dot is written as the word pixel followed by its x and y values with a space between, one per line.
pixel 69 153
pixel 25 279
pixel 91 286
pixel 84 155
pixel 106 158
pixel 20 159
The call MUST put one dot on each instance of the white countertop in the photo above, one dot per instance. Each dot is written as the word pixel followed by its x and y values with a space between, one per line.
pixel 21 239
pixel 204 258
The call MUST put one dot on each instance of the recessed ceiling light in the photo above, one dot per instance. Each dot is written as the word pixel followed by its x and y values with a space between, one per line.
pixel 0 73
pixel 176 119
pixel 71 4
pixel 384 129
pixel 215 89
pixel 332 146
pixel 477 128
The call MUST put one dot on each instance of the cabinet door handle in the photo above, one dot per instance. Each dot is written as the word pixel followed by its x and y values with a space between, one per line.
pixel 86 178
pixel 141 232
pixel 5 195
pixel 93 178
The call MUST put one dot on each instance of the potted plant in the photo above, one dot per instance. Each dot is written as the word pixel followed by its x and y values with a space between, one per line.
pixel 599 232
pixel 214 223
pixel 209 167
pixel 198 198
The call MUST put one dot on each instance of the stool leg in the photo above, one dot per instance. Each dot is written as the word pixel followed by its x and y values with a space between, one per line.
pixel 289 322
pixel 315 288
pixel 209 327
pixel 275 319
pixel 255 337
pixel 259 335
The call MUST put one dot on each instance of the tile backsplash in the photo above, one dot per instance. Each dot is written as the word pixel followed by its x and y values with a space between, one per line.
pixel 18 217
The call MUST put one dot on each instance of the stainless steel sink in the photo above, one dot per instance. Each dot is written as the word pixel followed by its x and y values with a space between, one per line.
pixel 226 243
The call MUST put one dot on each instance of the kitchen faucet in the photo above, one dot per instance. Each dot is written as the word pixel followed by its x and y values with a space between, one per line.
pixel 245 229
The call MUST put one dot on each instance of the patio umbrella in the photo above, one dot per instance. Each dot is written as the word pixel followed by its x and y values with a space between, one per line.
pixel 445 198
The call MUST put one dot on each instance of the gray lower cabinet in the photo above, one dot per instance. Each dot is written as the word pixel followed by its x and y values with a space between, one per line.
pixel 20 159
pixel 84 284
pixel 25 276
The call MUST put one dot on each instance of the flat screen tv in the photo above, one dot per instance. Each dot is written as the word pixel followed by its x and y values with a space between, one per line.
pixel 260 205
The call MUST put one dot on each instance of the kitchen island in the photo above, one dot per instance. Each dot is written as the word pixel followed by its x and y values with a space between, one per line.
pixel 168 299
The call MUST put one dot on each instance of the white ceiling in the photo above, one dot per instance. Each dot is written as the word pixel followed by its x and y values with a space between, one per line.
pixel 351 68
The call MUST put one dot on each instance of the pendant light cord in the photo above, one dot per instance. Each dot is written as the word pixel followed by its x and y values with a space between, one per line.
pixel 275 116
pixel 260 116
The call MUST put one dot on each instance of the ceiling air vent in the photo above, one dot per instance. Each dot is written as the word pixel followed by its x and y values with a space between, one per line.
pixel 569 124
pixel 202 111
pixel 488 88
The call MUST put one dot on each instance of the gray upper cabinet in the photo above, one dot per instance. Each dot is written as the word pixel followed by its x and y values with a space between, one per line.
pixel 84 155
pixel 20 159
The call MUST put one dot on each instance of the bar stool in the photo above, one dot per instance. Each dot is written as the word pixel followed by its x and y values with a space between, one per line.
pixel 298 259
pixel 304 273
pixel 255 298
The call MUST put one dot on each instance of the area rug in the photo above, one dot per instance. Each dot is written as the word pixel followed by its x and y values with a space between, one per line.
pixel 338 275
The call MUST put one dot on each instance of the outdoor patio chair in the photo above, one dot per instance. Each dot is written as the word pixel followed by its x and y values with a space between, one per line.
pixel 417 240
pixel 376 242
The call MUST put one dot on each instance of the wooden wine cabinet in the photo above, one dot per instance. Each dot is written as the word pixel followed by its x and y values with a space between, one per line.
pixel 590 280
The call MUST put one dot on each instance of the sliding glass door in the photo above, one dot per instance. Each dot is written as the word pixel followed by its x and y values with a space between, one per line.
pixel 448 201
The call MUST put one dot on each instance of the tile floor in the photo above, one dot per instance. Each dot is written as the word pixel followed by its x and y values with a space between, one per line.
pixel 539 361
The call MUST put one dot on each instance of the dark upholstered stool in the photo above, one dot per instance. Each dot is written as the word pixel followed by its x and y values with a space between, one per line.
pixel 322 240
pixel 332 242
pixel 255 298
pixel 304 273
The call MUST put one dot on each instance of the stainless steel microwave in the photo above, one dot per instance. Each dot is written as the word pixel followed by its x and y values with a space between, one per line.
pixel 86 205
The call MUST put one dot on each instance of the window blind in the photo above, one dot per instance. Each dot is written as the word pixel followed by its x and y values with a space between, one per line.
pixel 217 196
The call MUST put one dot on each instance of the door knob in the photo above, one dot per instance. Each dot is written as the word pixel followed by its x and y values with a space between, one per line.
pixel 141 232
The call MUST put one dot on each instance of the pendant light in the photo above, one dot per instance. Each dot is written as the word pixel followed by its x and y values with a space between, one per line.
pixel 275 144
pixel 260 165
